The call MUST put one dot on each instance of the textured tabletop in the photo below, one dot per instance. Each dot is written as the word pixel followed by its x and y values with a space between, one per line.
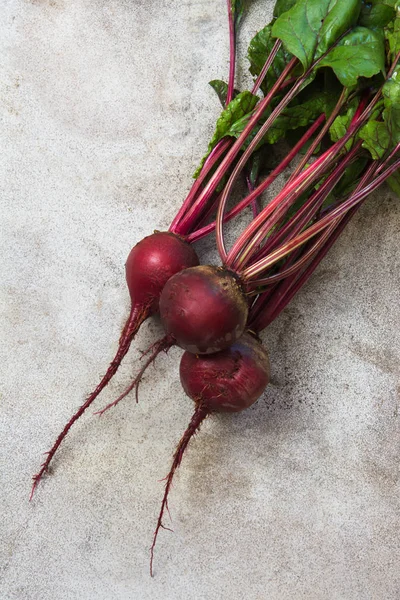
pixel 105 112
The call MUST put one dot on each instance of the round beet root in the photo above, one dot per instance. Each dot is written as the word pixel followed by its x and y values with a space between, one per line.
pixel 152 262
pixel 204 309
pixel 228 381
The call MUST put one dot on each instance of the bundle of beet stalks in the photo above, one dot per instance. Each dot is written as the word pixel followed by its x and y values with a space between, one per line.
pixel 327 85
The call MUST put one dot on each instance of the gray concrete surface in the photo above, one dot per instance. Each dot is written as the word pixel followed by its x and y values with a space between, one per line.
pixel 105 111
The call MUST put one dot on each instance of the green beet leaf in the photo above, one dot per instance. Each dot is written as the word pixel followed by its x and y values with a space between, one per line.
pixel 291 118
pixel 391 98
pixel 341 15
pixel 311 27
pixel 376 138
pixel 341 124
pixel 380 136
pixel 392 33
pixel 253 168
pixel 235 118
pixel 221 89
pixel 377 13
pixel 294 117
pixel 261 163
pixel 361 53
pixel 258 52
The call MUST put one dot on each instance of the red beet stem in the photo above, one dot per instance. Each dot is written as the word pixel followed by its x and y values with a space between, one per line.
pixel 162 345
pixel 212 159
pixel 271 305
pixel 198 417
pixel 200 233
pixel 261 265
pixel 321 134
pixel 137 316
pixel 292 285
pixel 252 235
pixel 187 222
pixel 310 208
pixel 254 142
pixel 232 53
pixel 300 263
pixel 266 66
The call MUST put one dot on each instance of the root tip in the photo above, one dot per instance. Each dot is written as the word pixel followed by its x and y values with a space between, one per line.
pixel 36 479
pixel 151 561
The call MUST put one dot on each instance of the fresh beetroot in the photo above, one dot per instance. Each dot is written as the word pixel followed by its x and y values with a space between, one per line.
pixel 149 266
pixel 204 309
pixel 228 381
pixel 152 262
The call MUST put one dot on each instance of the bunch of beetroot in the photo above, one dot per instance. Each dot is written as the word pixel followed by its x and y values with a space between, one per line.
pixel 327 85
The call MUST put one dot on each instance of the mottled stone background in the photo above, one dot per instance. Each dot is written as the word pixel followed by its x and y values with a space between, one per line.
pixel 105 111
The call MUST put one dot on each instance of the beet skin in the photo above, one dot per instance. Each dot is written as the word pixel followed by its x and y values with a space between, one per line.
pixel 152 262
pixel 204 309
pixel 228 381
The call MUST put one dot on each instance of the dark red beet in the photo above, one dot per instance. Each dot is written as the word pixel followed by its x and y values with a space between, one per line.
pixel 204 309
pixel 149 266
pixel 152 262
pixel 228 381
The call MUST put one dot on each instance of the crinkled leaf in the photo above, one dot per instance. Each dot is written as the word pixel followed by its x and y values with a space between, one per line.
pixel 392 33
pixel 377 13
pixel 361 53
pixel 221 89
pixel 258 52
pixel 239 108
pixel 391 113
pixel 383 135
pixel 291 118
pixel 311 27
pixel 341 124
pixel 394 182
pixel 376 138
pixel 294 117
